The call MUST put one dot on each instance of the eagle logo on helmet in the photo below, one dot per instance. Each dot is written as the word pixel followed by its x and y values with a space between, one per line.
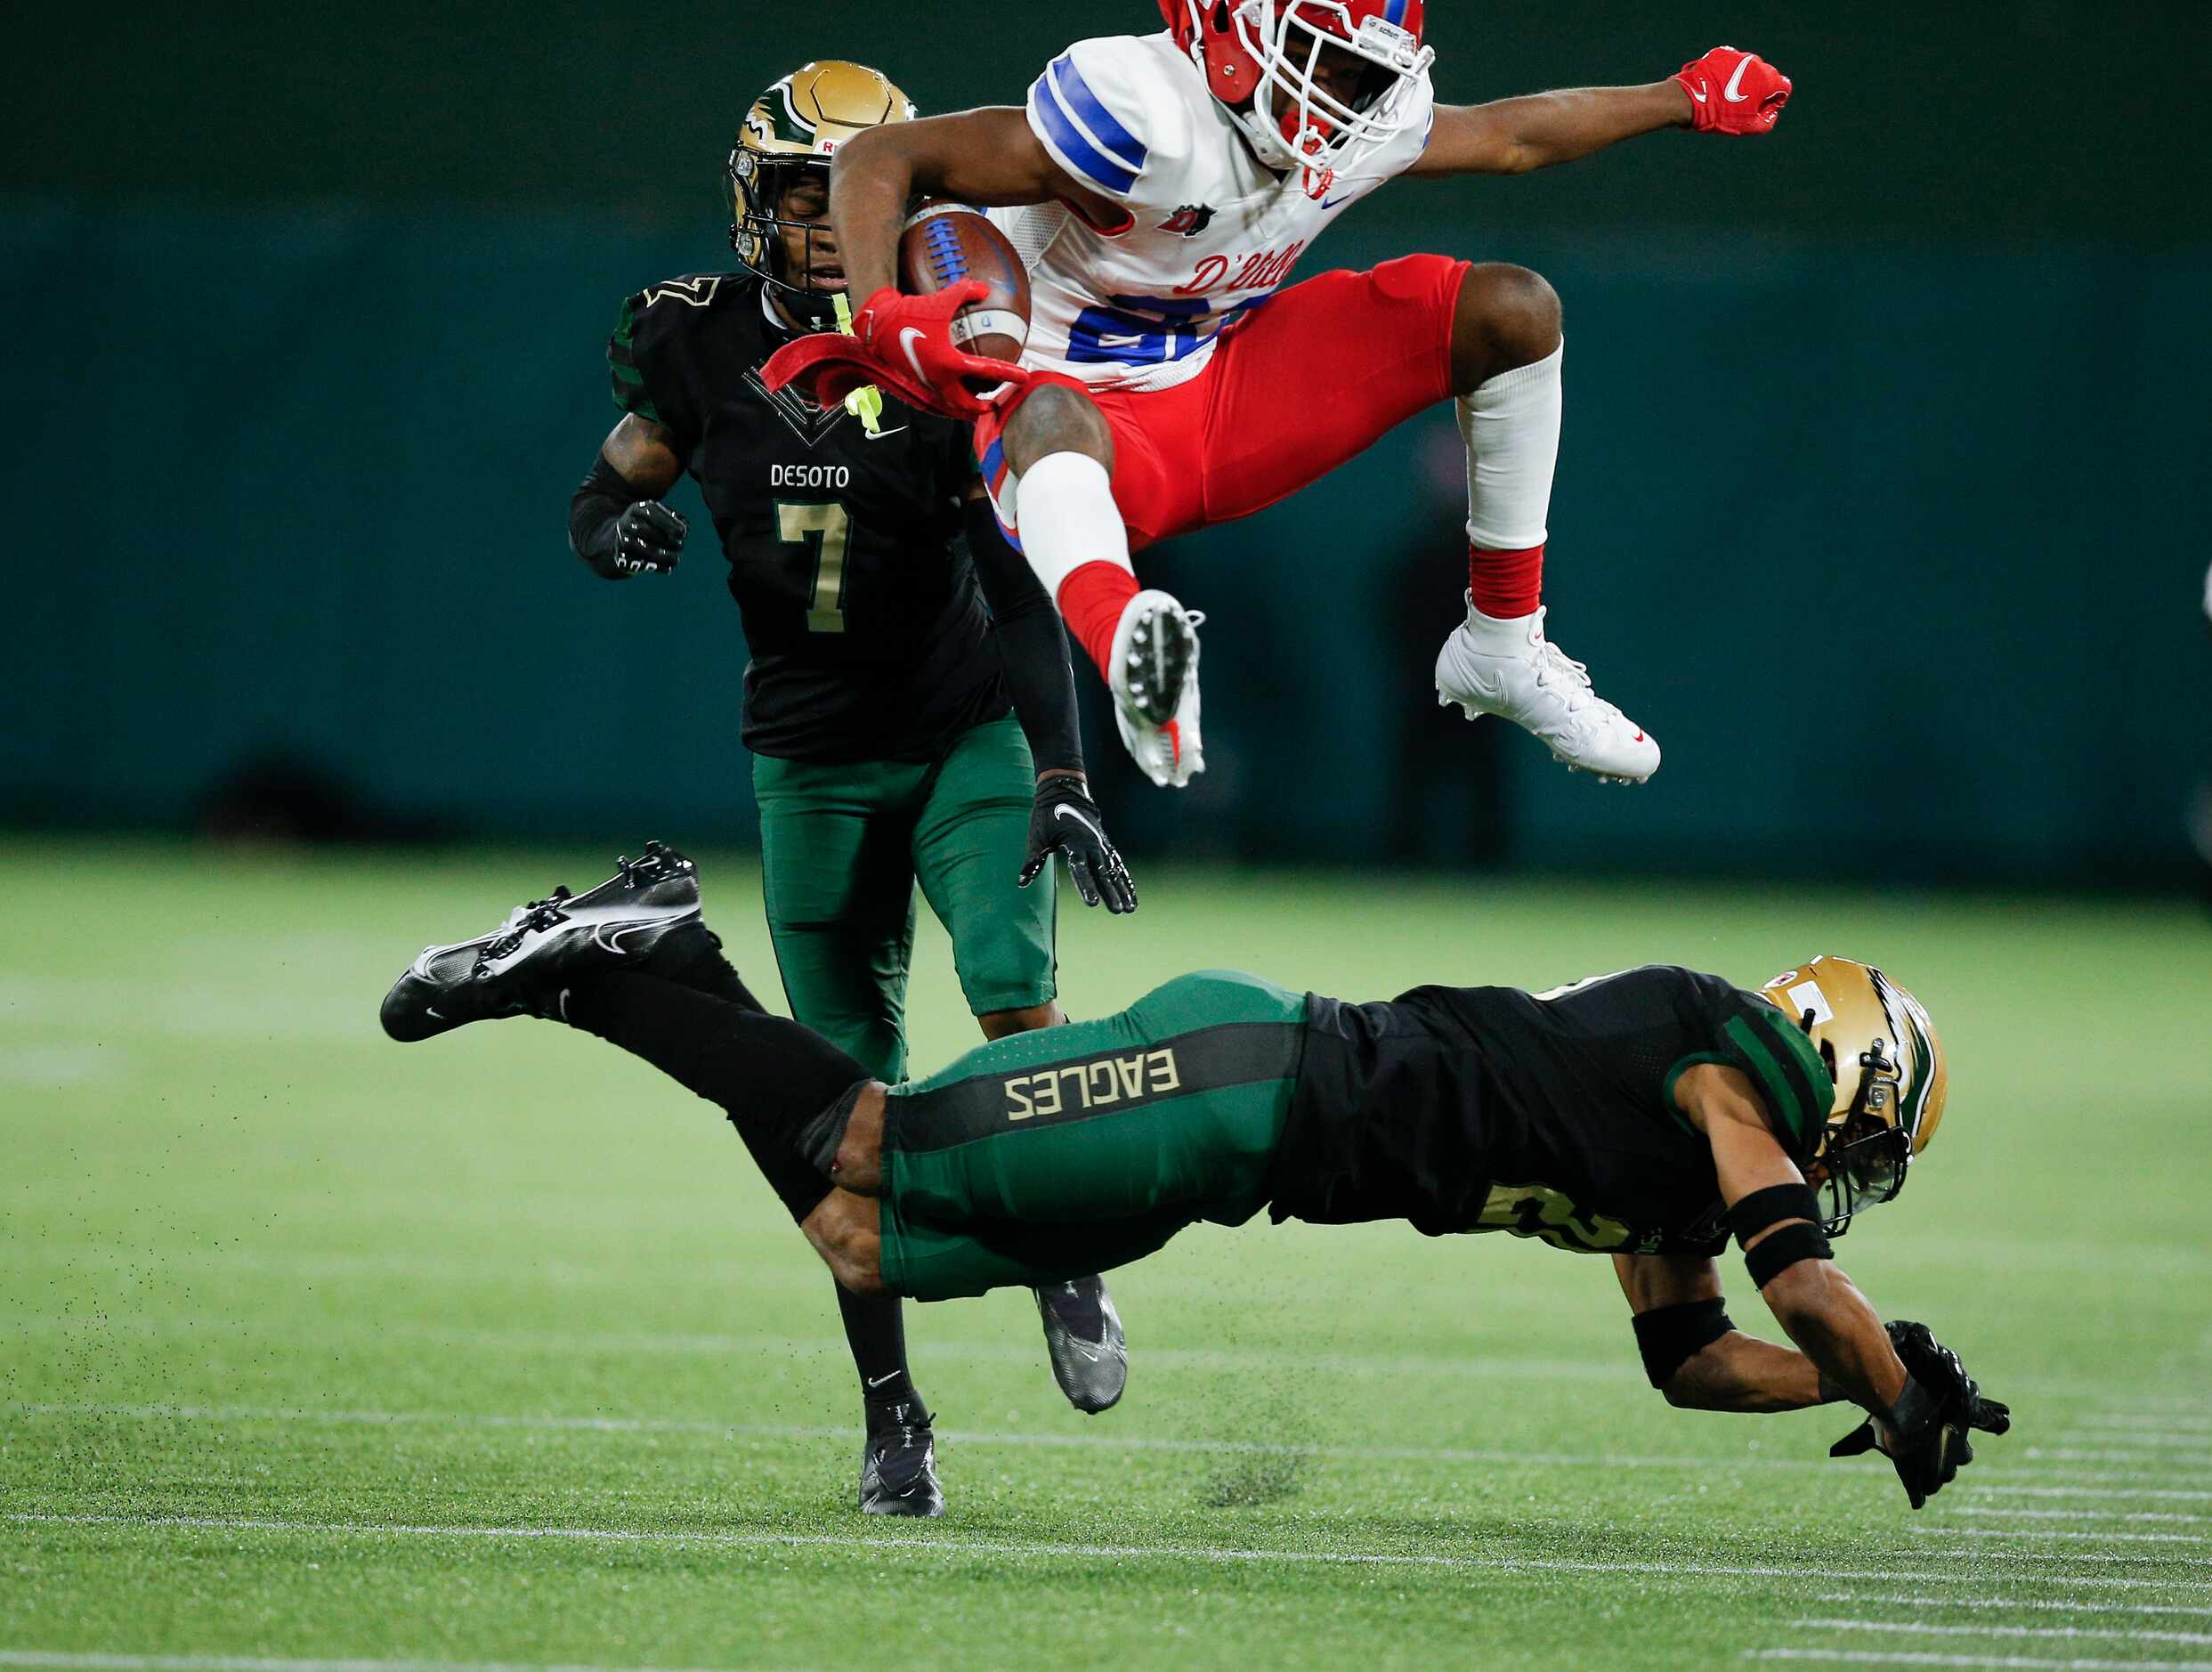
pixel 1891 1079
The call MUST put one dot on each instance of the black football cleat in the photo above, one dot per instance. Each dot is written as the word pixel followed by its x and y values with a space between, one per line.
pixel 1082 1332
pixel 898 1466
pixel 521 967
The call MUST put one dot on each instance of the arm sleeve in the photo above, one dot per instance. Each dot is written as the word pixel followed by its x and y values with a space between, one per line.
pixel 1032 644
pixel 1099 110
pixel 601 497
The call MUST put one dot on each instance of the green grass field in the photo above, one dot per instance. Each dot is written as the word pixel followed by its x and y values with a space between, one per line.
pixel 315 1349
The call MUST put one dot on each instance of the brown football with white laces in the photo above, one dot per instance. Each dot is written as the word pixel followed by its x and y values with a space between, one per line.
pixel 945 244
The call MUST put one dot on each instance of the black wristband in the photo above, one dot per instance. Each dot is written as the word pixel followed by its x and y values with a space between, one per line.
pixel 1669 1337
pixel 1761 1208
pixel 1784 1249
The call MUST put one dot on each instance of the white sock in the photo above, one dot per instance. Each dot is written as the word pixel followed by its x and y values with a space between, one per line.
pixel 1512 425
pixel 1068 518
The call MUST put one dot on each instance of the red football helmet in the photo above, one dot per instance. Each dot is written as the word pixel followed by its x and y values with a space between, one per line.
pixel 1249 50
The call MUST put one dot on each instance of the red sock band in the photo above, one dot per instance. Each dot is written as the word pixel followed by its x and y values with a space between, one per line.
pixel 1092 602
pixel 1506 584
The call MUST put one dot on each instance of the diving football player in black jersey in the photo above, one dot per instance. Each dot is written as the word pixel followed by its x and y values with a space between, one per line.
pixel 1645 1115
pixel 909 704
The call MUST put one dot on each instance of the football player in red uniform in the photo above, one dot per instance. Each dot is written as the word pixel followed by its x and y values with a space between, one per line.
pixel 1162 187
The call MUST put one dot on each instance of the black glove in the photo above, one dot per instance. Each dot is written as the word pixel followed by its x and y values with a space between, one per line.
pixel 1064 820
pixel 1936 1367
pixel 648 538
pixel 1927 1439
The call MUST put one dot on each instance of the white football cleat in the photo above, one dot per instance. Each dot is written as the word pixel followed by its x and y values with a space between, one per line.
pixel 1154 681
pixel 1509 668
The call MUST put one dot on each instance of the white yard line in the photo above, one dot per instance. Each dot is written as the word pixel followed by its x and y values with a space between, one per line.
pixel 66 1662
pixel 2168 1493
pixel 2101 1454
pixel 2160 1422
pixel 2049 1532
pixel 798 1431
pixel 2012 1513
pixel 1983 1553
pixel 2146 1439
pixel 2020 1662
pixel 2004 1605
pixel 922 1545
pixel 1494 1458
pixel 2115 1634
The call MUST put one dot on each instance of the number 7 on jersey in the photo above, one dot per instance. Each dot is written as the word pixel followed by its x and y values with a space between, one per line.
pixel 826 530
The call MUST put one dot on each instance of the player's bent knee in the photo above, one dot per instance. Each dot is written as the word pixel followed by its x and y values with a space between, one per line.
pixel 845 1231
pixel 1054 418
pixel 1508 317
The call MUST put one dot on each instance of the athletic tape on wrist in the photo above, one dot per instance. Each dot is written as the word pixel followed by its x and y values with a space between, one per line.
pixel 1776 1201
pixel 1784 1249
pixel 1669 1337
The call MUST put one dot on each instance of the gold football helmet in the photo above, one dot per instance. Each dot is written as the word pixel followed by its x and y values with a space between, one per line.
pixel 795 126
pixel 1890 1075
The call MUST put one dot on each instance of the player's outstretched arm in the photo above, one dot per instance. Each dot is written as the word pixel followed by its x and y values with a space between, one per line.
pixel 1694 1353
pixel 1771 1208
pixel 617 524
pixel 1725 91
pixel 989 156
pixel 1920 1418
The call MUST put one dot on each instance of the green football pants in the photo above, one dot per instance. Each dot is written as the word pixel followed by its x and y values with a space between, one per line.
pixel 842 848
pixel 1054 1154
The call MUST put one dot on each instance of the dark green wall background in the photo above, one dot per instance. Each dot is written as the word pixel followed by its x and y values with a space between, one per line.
pixel 1877 503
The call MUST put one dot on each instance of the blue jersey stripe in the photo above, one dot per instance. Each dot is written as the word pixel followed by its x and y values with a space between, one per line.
pixel 1093 115
pixel 1078 152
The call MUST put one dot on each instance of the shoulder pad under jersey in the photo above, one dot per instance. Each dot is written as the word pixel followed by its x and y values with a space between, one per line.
pixel 1115 114
pixel 651 316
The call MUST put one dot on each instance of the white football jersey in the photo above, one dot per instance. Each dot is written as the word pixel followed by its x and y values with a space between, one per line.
pixel 1209 232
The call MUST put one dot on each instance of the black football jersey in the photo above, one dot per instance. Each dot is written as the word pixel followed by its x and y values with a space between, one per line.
pixel 1543 1115
pixel 859 600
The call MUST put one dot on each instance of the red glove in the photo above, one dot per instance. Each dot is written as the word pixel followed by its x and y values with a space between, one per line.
pixel 915 335
pixel 1734 93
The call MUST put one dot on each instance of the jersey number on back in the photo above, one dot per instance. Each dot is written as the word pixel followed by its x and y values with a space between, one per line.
pixel 826 531
pixel 1537 1210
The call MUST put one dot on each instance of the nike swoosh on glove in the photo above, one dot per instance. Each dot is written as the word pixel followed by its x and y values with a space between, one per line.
pixel 1733 91
pixel 1064 820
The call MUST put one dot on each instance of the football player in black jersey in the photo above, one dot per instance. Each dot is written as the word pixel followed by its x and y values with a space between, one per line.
pixel 1645 1115
pixel 909 705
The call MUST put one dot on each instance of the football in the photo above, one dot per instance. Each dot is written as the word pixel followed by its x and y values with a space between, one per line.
pixel 945 243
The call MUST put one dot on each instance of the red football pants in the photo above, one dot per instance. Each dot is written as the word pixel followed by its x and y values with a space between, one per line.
pixel 1311 377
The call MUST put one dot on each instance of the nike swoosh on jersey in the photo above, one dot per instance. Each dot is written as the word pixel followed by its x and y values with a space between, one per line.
pixel 877 435
pixel 1734 92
